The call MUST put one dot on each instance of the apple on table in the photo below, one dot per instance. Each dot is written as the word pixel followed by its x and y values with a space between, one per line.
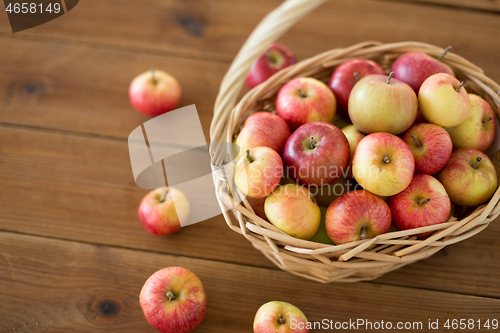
pixel 263 129
pixel 469 177
pixel 379 103
pixel 357 215
pixel 383 164
pixel 346 75
pixel 258 172
pixel 423 203
pixel 305 99
pixel 164 211
pixel 478 130
pixel 279 317
pixel 155 92
pixel 276 57
pixel 316 154
pixel 443 100
pixel 292 209
pixel 413 68
pixel 173 300
pixel 431 146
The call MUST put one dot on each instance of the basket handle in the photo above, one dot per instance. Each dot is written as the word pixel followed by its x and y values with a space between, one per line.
pixel 273 26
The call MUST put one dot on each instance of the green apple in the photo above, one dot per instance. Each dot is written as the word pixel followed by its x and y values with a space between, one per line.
pixel 321 236
pixel 293 209
pixel 477 131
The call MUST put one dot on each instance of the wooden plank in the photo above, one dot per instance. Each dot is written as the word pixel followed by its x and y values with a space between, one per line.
pixel 79 89
pixel 52 285
pixel 486 5
pixel 81 188
pixel 216 29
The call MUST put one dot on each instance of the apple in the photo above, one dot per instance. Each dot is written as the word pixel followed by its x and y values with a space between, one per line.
pixel 423 203
pixel 305 99
pixel 279 317
pixel 353 136
pixel 316 154
pixel 339 121
pixel 258 206
pixel 163 211
pixel 173 300
pixel 413 68
pixel 321 236
pixel 379 103
pixel 443 100
pixel 325 195
pixel 276 57
pixel 292 209
pixel 357 215
pixel 263 129
pixel 258 172
pixel 346 75
pixel 477 131
pixel 383 164
pixel 431 146
pixel 420 118
pixel 469 177
pixel 154 92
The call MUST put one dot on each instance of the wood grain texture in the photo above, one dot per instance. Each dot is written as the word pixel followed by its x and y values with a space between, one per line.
pixel 81 188
pixel 486 5
pixel 216 29
pixel 95 289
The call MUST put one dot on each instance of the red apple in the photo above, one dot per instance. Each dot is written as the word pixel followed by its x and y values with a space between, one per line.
pixel 413 68
pixel 258 172
pixel 477 131
pixel 423 203
pixel 443 100
pixel 276 57
pixel 379 103
pixel 346 75
pixel 357 215
pixel 163 211
pixel 258 206
pixel 354 137
pixel 316 154
pixel 469 177
pixel 292 209
pixel 263 129
pixel 383 164
pixel 303 100
pixel 155 92
pixel 173 300
pixel 431 146
pixel 279 317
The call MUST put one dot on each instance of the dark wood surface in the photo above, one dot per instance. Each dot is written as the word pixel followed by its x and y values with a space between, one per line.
pixel 70 239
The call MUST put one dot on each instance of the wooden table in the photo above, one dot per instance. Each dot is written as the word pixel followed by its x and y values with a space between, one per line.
pixel 73 253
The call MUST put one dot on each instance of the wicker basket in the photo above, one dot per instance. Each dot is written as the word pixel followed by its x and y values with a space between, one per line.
pixel 356 261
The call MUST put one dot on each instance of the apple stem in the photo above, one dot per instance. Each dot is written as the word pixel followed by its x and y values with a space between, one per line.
pixel 460 86
pixel 391 74
pixel 417 141
pixel 423 201
pixel 478 159
pixel 170 296
pixel 356 75
pixel 281 320
pixel 249 158
pixel 164 196
pixel 301 93
pixel 446 50
pixel 363 232
pixel 153 76
pixel 386 159
pixel 313 144
pixel 487 119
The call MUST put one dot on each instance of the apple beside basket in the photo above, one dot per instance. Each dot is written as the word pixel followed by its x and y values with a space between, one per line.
pixel 355 261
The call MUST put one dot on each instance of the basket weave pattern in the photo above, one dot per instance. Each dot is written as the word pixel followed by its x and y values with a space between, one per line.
pixel 355 261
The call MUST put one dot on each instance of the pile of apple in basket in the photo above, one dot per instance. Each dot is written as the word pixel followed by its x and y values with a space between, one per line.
pixel 410 149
